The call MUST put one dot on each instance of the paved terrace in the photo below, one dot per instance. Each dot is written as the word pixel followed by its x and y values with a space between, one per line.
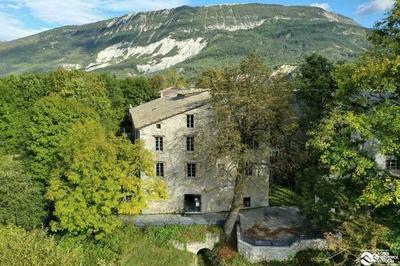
pixel 267 217
pixel 167 219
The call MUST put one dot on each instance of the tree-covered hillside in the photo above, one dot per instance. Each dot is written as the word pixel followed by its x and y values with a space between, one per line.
pixel 192 38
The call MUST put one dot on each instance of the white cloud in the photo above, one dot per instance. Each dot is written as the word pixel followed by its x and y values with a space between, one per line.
pixel 137 5
pixel 85 11
pixel 64 12
pixel 67 12
pixel 11 28
pixel 325 6
pixel 374 6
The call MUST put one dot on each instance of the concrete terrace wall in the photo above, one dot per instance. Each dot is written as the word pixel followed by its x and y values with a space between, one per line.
pixel 268 253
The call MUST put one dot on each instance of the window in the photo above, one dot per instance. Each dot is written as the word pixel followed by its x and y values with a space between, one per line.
pixel 190 121
pixel 221 169
pixel 252 143
pixel 160 169
pixel 158 126
pixel 249 170
pixel 274 153
pixel 393 164
pixel 159 144
pixel 127 198
pixel 190 143
pixel 247 202
pixel 191 170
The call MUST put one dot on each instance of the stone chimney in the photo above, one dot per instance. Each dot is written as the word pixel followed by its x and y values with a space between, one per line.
pixel 169 92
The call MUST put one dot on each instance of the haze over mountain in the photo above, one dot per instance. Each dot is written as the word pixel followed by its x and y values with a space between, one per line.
pixel 191 38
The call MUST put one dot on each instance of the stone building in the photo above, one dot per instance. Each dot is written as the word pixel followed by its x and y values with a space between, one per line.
pixel 169 127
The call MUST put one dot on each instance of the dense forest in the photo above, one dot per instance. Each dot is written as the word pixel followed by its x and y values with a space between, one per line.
pixel 68 171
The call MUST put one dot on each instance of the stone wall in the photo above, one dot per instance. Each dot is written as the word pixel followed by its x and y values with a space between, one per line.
pixel 266 253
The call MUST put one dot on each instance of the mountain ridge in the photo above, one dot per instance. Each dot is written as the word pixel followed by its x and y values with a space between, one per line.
pixel 190 38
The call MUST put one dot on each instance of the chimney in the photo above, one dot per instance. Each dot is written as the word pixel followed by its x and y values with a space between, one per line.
pixel 169 92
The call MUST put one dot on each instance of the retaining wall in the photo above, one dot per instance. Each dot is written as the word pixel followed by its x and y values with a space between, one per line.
pixel 270 253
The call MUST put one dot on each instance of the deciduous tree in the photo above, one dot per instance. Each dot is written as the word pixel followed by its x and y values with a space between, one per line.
pixel 250 108
pixel 21 202
pixel 98 178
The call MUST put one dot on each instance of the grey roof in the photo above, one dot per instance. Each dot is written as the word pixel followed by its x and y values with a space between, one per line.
pixel 166 107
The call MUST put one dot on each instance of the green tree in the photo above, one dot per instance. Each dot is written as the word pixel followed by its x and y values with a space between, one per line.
pixel 386 34
pixel 21 247
pixel 315 89
pixel 87 88
pixel 51 118
pixel 250 107
pixel 357 236
pixel 21 201
pixel 97 178
pixel 17 95
pixel 365 122
pixel 137 90
pixel 172 78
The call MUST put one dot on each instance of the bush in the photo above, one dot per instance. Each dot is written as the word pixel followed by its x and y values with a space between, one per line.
pixel 21 247
pixel 181 233
pixel 105 251
pixel 21 201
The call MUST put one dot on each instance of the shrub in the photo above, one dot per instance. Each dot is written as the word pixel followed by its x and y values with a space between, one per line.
pixel 21 247
pixel 181 233
pixel 21 201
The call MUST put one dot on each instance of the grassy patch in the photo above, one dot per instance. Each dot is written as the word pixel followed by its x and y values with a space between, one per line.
pixel 145 249
pixel 181 233
pixel 281 196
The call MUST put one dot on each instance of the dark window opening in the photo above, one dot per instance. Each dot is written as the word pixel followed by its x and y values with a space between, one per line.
pixel 158 126
pixel 127 198
pixel 248 170
pixel 252 143
pixel 159 144
pixel 247 202
pixel 274 153
pixel 190 143
pixel 393 164
pixel 221 169
pixel 191 170
pixel 192 203
pixel 160 169
pixel 190 121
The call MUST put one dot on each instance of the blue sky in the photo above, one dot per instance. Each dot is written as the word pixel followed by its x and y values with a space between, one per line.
pixel 20 18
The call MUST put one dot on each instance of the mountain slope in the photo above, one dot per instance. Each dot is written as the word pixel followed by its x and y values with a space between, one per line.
pixel 193 38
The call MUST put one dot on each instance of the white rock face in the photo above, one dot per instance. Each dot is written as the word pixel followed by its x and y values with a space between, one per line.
pixel 284 70
pixel 71 66
pixel 120 52
pixel 241 26
pixel 332 17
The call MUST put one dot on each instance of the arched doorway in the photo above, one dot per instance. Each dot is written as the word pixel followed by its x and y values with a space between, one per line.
pixel 205 257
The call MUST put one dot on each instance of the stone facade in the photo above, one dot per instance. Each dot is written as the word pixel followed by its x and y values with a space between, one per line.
pixel 212 189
